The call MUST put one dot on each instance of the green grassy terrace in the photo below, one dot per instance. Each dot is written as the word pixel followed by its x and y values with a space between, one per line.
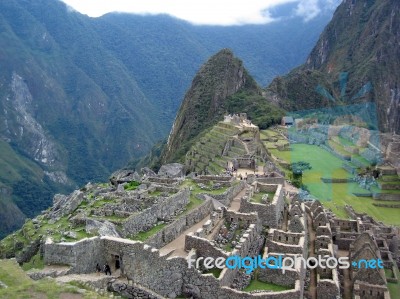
pixel 336 196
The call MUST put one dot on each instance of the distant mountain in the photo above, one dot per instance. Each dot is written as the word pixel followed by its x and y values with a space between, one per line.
pixel 357 59
pixel 221 86
pixel 80 96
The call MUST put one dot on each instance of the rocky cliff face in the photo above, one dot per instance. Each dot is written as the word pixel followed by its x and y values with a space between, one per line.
pixel 219 78
pixel 356 59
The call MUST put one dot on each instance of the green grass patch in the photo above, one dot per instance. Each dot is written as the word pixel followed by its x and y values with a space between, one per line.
pixel 256 285
pixel 338 148
pixel 193 202
pixel 394 289
pixel 345 141
pixel 131 186
pixel 21 286
pixel 257 197
pixel 143 236
pixel 214 271
pixel 155 193
pixel 101 202
pixel 35 263
pixel 336 196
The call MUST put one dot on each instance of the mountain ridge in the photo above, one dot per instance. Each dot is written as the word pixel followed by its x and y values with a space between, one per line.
pixel 222 86
pixel 355 60
pixel 99 92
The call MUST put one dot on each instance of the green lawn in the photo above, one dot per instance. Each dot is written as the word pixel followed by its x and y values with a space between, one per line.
pixel 256 285
pixel 143 236
pixel 334 196
pixel 257 197
pixel 21 286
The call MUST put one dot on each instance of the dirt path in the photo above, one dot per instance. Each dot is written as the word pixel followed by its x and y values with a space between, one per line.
pixel 235 204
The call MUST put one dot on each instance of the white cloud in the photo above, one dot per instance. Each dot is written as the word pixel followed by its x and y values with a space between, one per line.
pixel 308 9
pixel 211 12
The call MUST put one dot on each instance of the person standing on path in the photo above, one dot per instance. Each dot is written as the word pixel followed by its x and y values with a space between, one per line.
pixel 107 269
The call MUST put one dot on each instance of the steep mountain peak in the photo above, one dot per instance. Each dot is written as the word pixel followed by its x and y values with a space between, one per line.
pixel 356 59
pixel 219 78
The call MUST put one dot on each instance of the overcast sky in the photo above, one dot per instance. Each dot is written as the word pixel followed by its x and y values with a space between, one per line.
pixel 210 12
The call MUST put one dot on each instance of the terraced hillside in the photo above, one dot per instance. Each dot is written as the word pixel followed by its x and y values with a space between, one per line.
pixel 342 171
pixel 217 147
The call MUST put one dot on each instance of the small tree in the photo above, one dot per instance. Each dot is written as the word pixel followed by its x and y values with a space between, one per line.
pixel 297 172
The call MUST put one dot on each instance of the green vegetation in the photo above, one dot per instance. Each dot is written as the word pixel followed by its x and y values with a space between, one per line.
pixel 257 197
pixel 194 202
pixel 297 91
pixel 257 285
pixel 143 236
pixel 394 289
pixel 214 271
pixel 261 112
pixel 335 196
pixel 21 286
pixel 35 263
pixel 131 186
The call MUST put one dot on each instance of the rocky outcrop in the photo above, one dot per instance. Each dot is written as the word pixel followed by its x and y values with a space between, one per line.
pixel 203 106
pixel 173 170
pixel 123 176
pixel 64 205
pixel 101 228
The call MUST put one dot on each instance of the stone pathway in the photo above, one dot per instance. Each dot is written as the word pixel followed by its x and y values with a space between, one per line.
pixel 92 277
pixel 178 245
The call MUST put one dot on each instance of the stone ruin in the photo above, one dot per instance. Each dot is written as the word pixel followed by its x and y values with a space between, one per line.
pixel 276 226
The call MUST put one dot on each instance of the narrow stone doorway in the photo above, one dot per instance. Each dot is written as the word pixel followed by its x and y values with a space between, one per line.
pixel 117 262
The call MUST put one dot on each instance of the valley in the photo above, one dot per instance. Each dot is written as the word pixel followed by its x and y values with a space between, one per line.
pixel 290 190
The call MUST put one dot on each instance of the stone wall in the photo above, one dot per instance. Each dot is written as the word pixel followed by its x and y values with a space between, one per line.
pixel 82 256
pixel 345 225
pixel 164 209
pixel 131 291
pixel 270 213
pixel 177 227
pixel 226 197
pixel 167 181
pixel 232 216
pixel 271 180
pixel 327 288
pixel 336 180
pixel 276 276
pixel 203 247
pixel 142 264
pixel 285 242
pixel 367 291
pixel 386 196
